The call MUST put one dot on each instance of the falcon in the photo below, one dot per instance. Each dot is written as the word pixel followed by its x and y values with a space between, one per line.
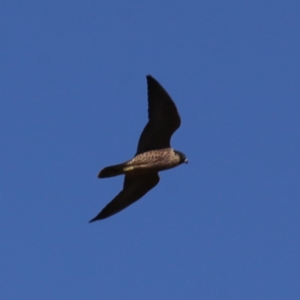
pixel 154 152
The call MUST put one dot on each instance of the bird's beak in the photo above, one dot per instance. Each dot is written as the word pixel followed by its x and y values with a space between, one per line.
pixel 186 161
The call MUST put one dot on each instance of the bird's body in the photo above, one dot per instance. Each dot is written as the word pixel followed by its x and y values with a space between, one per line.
pixel 150 161
pixel 154 153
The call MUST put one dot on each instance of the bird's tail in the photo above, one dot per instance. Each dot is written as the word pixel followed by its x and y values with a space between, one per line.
pixel 112 171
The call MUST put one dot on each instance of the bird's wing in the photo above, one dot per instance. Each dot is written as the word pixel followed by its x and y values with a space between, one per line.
pixel 163 118
pixel 134 188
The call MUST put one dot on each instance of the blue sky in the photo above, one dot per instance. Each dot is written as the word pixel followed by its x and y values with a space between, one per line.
pixel 73 100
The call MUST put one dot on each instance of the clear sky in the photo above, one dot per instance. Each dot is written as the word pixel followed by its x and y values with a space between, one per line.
pixel 74 100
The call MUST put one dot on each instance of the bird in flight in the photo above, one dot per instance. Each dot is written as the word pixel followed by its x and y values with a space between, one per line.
pixel 154 152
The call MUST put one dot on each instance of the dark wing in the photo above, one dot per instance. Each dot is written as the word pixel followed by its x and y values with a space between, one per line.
pixel 134 188
pixel 163 119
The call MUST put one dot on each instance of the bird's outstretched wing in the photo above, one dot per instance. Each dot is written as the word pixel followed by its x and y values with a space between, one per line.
pixel 134 188
pixel 163 117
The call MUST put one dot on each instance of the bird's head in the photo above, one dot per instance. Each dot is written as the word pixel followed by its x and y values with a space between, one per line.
pixel 182 157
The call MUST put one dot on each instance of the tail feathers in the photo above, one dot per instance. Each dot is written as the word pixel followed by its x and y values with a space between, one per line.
pixel 111 171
